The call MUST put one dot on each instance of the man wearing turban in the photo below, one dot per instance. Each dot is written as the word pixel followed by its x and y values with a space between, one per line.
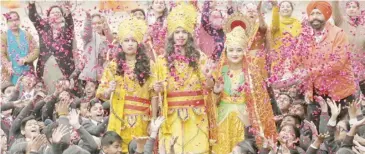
pixel 326 57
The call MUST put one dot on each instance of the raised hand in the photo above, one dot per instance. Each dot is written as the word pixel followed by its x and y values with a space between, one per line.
pixel 74 119
pixel 357 124
pixel 36 143
pixel 358 150
pixel 308 97
pixel 141 141
pixel 319 140
pixel 312 127
pixel 335 110
pixel 321 137
pixel 20 103
pixel 218 87
pixel 62 108
pixel 112 86
pixel 354 109
pixel 156 123
pixel 359 139
pixel 274 2
pixel 259 6
pixel 209 68
pixel 67 5
pixel 59 132
pixel 269 143
pixel 158 87
pixel 322 103
pixel 359 147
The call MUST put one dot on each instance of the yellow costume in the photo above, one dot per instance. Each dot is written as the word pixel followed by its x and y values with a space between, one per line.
pixel 244 94
pixel 284 30
pixel 184 99
pixel 130 102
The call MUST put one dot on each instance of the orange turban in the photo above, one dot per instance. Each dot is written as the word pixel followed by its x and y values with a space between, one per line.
pixel 323 6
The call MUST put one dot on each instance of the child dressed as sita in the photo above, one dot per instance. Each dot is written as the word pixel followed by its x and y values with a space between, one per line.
pixel 240 89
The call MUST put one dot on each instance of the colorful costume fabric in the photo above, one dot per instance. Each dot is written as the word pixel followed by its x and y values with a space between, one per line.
pixel 245 93
pixel 183 98
pixel 130 103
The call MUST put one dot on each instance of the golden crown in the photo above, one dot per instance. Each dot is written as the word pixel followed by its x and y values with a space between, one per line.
pixel 238 29
pixel 184 16
pixel 132 27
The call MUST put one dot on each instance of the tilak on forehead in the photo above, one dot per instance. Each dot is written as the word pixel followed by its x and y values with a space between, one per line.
pixel 184 16
pixel 132 27
pixel 323 6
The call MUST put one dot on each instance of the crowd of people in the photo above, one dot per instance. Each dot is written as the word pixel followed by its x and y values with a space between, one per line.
pixel 186 79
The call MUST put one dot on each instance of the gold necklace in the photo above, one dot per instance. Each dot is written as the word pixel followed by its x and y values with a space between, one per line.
pixel 132 79
pixel 185 71
pixel 129 73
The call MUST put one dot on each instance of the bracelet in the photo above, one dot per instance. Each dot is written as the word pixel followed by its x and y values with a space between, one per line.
pixel 62 114
pixel 352 121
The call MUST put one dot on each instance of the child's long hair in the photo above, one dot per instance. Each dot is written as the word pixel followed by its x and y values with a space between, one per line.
pixel 142 68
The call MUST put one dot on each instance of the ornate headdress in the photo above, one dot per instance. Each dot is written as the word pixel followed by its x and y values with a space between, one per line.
pixel 184 16
pixel 236 36
pixel 238 29
pixel 134 27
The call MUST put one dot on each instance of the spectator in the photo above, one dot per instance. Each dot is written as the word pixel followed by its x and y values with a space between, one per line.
pixel 328 77
pixel 56 39
pixel 96 36
pixel 211 35
pixel 284 101
pixel 156 20
pixel 111 143
pixel 96 124
pixel 18 49
pixel 139 14
pixel 287 141
pixel 284 30
pixel 353 25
